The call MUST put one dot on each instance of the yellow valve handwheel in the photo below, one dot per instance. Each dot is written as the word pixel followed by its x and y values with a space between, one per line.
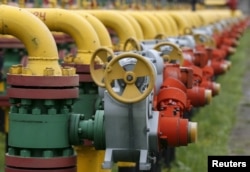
pixel 131 93
pixel 201 39
pixel 131 44
pixel 175 54
pixel 98 63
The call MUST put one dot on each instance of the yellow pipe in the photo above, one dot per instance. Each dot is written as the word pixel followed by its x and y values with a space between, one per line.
pixel 5 2
pixel 171 23
pixel 160 32
pixel 21 3
pixel 80 30
pixel 36 37
pixel 99 27
pixel 182 24
pixel 186 15
pixel 116 22
pixel 52 3
pixel 166 25
pixel 135 24
pixel 148 29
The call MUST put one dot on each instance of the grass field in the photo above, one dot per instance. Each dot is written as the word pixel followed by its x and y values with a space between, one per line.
pixel 216 120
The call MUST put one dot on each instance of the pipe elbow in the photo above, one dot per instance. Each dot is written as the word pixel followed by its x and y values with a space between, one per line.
pixel 36 37
pixel 99 27
pixel 180 21
pixel 135 24
pixel 79 29
pixel 116 22
pixel 148 29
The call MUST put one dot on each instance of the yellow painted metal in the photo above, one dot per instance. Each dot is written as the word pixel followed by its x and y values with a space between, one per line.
pixel 126 164
pixel 148 29
pixel 36 37
pixel 78 28
pixel 101 57
pixel 160 32
pixel 4 2
pixel 132 44
pixel 116 22
pixel 215 2
pixel 89 159
pixel 2 86
pixel 52 3
pixel 189 16
pixel 201 39
pixel 166 25
pixel 175 54
pixel 135 24
pixel 21 3
pixel 171 22
pixel 99 27
pixel 115 71
pixel 182 24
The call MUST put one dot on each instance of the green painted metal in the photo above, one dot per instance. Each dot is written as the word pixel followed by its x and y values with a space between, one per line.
pixel 40 128
pixel 88 100
pixel 89 129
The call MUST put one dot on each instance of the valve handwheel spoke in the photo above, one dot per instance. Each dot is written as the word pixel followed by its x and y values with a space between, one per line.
pixel 115 72
pixel 131 93
pixel 98 63
pixel 138 69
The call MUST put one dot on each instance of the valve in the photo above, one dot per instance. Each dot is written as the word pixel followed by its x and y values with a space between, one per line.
pixel 98 63
pixel 170 52
pixel 131 44
pixel 130 79
pixel 202 39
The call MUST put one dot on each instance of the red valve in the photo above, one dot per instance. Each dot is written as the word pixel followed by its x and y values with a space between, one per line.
pixel 174 131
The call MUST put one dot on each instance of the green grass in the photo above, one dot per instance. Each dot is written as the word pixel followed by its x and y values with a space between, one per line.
pixel 216 120
pixel 2 148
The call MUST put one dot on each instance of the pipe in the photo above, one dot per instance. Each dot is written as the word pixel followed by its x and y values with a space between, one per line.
pixel 147 26
pixel 166 25
pixel 99 27
pixel 116 22
pixel 36 37
pixel 171 22
pixel 160 32
pixel 180 21
pixel 135 24
pixel 81 30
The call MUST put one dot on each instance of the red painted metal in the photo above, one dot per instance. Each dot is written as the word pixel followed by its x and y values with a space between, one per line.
pixel 71 169
pixel 40 163
pixel 43 81
pixel 11 42
pixel 29 93
pixel 199 96
pixel 174 131
pixel 4 101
